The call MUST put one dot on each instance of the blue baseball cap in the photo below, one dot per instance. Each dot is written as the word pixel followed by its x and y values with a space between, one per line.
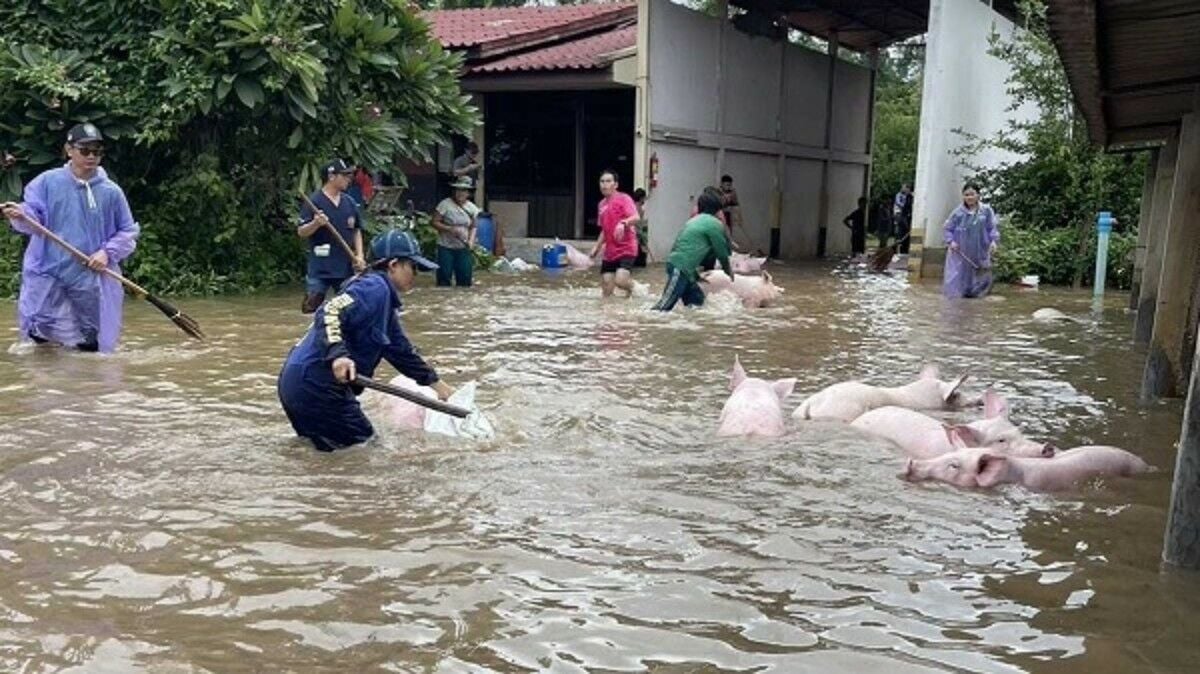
pixel 398 244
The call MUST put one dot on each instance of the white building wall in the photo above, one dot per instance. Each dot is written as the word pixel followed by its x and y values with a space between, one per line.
pixel 964 88
pixel 713 100
pixel 682 81
pixel 691 169
pixel 801 204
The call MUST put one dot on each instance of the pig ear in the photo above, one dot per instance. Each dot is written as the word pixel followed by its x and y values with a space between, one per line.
pixel 994 405
pixel 738 375
pixel 929 371
pixel 784 387
pixel 953 386
pixel 991 469
pixel 959 436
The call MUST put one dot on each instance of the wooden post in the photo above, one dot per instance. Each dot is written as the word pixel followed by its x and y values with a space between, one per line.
pixel 1169 359
pixel 1181 544
pixel 1156 233
pixel 1144 216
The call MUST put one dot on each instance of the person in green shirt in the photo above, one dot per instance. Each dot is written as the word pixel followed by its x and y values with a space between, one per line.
pixel 702 238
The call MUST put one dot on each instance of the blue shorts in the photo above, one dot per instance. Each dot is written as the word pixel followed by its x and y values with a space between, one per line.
pixel 315 285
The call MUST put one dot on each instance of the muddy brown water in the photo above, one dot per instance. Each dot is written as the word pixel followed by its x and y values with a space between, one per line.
pixel 159 515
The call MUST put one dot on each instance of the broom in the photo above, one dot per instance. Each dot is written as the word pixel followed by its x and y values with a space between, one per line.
pixel 185 322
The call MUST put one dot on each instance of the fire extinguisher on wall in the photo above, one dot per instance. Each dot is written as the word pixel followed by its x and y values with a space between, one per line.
pixel 653 170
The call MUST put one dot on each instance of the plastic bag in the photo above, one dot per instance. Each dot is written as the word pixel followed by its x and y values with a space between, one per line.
pixel 474 425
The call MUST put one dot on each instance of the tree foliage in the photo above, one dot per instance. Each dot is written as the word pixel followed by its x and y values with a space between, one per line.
pixel 897 119
pixel 218 111
pixel 1050 193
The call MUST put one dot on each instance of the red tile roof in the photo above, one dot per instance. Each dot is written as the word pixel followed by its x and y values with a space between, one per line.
pixel 465 28
pixel 581 54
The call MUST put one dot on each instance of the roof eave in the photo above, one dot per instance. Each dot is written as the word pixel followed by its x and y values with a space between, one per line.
pixel 1073 28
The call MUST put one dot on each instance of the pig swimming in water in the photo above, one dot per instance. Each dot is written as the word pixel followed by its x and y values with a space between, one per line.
pixel 979 467
pixel 755 291
pixel 398 414
pixel 576 258
pixel 745 264
pixel 924 437
pixel 755 407
pixel 848 400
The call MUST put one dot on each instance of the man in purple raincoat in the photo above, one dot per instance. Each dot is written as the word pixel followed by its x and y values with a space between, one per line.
pixel 970 235
pixel 61 300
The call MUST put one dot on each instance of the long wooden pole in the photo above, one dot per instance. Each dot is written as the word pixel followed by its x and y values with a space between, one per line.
pixel 185 322
pixel 336 235
pixel 412 396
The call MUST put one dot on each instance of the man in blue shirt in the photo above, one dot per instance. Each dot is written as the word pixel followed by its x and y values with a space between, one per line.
pixel 350 334
pixel 328 264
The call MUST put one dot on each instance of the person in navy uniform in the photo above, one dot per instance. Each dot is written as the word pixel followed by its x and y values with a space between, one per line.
pixel 328 264
pixel 349 335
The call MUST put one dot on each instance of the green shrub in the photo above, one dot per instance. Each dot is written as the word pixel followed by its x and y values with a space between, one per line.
pixel 1053 255
pixel 216 113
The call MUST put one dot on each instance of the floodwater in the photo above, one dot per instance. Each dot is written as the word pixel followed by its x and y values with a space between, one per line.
pixel 159 515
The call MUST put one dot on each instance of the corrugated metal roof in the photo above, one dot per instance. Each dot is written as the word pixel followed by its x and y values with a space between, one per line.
pixel 581 54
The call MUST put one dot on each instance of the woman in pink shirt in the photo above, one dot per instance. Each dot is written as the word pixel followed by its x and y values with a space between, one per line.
pixel 618 217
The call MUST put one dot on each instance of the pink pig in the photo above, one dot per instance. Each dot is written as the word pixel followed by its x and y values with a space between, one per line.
pixel 755 291
pixel 924 437
pixel 399 413
pixel 756 406
pixel 980 467
pixel 576 258
pixel 848 400
pixel 745 264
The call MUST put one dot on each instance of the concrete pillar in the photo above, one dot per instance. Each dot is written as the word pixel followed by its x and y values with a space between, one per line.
pixel 823 207
pixel 641 122
pixel 1156 236
pixel 479 135
pixel 1169 359
pixel 1144 215
pixel 1181 544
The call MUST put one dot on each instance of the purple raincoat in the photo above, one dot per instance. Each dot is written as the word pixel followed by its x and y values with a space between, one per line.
pixel 61 300
pixel 974 232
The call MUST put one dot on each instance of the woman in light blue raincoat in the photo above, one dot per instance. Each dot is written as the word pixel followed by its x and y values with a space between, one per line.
pixel 61 300
pixel 970 234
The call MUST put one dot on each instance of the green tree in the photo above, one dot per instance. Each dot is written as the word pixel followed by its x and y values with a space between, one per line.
pixel 217 112
pixel 897 119
pixel 1050 194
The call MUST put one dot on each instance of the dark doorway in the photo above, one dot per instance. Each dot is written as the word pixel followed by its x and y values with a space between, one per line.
pixel 530 143
pixel 607 144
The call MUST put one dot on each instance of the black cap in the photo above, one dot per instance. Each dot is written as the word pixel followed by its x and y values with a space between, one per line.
pixel 335 166
pixel 84 133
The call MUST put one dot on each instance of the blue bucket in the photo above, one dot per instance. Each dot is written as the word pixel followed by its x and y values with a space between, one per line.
pixel 485 231
pixel 554 256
